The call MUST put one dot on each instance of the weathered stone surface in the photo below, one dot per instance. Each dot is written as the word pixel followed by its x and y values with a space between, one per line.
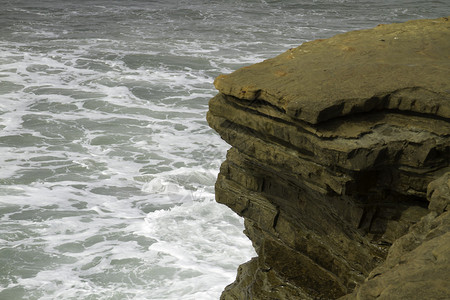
pixel 418 263
pixel 439 194
pixel 334 144
pixel 396 66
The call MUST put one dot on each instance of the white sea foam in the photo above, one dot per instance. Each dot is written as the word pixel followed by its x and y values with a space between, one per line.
pixel 184 252
pixel 107 165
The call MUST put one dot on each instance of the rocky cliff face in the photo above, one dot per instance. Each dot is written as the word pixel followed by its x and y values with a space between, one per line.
pixel 334 145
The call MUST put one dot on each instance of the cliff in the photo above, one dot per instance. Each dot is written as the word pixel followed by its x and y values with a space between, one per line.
pixel 339 165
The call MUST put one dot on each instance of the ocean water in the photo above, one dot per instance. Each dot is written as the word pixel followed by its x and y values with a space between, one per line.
pixel 107 165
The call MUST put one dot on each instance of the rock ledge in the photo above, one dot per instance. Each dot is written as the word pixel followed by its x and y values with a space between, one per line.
pixel 339 165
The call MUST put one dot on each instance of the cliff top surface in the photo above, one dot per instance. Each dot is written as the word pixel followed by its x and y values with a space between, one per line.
pixel 398 66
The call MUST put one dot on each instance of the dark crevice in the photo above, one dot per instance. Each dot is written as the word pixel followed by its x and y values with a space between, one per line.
pixel 226 124
pixel 275 218
pixel 255 102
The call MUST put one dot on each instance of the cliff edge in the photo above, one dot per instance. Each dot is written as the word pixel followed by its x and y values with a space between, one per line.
pixel 340 166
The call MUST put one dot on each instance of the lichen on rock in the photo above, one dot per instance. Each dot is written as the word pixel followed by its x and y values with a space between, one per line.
pixel 334 145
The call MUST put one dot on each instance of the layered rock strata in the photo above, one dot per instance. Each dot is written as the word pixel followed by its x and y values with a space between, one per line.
pixel 334 144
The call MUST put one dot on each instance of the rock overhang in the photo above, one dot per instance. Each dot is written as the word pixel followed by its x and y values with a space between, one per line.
pixel 397 67
pixel 334 146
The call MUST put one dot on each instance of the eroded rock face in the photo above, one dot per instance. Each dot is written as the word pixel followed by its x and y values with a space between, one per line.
pixel 334 144
pixel 418 263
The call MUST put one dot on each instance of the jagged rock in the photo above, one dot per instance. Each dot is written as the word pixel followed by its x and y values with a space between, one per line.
pixel 333 146
pixel 439 194
pixel 418 263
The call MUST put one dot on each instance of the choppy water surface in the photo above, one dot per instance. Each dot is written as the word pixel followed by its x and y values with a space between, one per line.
pixel 107 164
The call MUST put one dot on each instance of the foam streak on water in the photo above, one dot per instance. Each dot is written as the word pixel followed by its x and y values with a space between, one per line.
pixel 107 165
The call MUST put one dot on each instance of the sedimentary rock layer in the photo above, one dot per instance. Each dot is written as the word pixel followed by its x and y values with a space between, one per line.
pixel 334 144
